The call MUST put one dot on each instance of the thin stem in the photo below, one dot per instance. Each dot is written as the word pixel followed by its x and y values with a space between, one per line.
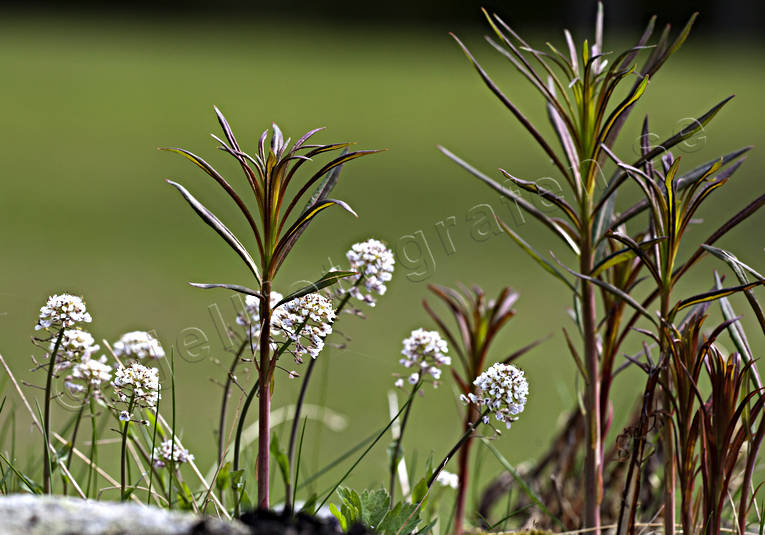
pixel 74 434
pixel 46 414
pixel 224 402
pixel 93 458
pixel 667 435
pixel 288 502
pixel 593 469
pixel 465 436
pixel 463 473
pixel 123 454
pixel 397 447
pixel 264 393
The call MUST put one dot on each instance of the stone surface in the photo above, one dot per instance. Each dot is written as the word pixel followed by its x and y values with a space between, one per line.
pixel 25 514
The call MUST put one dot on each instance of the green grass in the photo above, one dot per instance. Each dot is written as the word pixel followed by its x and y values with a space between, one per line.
pixel 86 207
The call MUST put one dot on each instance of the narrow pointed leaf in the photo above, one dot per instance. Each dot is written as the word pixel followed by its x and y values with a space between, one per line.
pixel 222 230
pixel 234 287
pixel 326 280
pixel 614 290
pixel 716 294
pixel 547 266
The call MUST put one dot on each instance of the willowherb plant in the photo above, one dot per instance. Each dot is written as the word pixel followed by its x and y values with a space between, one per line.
pixel 579 91
pixel 478 321
pixel 276 229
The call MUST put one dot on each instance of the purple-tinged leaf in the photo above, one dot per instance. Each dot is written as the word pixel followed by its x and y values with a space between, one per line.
pixel 222 230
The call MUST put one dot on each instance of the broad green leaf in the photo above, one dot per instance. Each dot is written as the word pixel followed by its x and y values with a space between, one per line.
pixel 420 490
pixel 327 279
pixel 374 506
pixel 223 479
pixel 222 230
pixel 401 520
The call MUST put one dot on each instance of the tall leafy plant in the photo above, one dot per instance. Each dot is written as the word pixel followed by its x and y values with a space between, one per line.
pixel 580 90
pixel 276 222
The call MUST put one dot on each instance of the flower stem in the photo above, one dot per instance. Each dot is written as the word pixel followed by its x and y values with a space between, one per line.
pixel 288 504
pixel 46 413
pixel 224 402
pixel 464 471
pixel 74 434
pixel 397 447
pixel 464 438
pixel 123 451
pixel 93 448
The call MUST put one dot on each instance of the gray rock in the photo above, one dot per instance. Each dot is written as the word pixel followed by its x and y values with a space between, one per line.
pixel 25 514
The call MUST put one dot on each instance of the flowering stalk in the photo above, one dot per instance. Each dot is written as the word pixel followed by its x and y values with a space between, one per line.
pixel 72 442
pixel 123 450
pixel 224 402
pixel 288 505
pixel 397 445
pixel 46 413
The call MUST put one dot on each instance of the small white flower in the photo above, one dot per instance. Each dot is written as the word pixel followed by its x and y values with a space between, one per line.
pixel 250 317
pixel 139 383
pixel 138 344
pixel 124 416
pixel 62 310
pixel 425 351
pixel 447 479
pixel 89 372
pixel 76 345
pixel 374 263
pixel 306 321
pixel 399 383
pixel 503 389
pixel 167 452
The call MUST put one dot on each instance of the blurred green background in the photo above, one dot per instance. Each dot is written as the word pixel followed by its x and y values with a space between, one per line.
pixel 85 207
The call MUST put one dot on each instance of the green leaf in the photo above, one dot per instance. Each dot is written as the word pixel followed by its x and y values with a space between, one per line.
pixel 374 506
pixel 223 479
pixel 351 507
pixel 622 255
pixel 420 490
pixel 528 491
pixel 739 268
pixel 222 230
pixel 401 520
pixel 520 201
pixel 281 459
pixel 547 266
pixel 716 294
pixel 327 279
pixel 614 290
pixel 340 518
pixel 235 287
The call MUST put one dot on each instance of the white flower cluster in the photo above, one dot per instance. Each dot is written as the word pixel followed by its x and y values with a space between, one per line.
pixel 62 310
pixel 447 479
pixel 167 453
pixel 503 390
pixel 306 321
pixel 76 345
pixel 374 263
pixel 89 373
pixel 138 344
pixel 138 383
pixel 250 317
pixel 425 351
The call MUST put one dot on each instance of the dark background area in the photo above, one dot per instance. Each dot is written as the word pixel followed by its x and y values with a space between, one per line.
pixel 731 18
